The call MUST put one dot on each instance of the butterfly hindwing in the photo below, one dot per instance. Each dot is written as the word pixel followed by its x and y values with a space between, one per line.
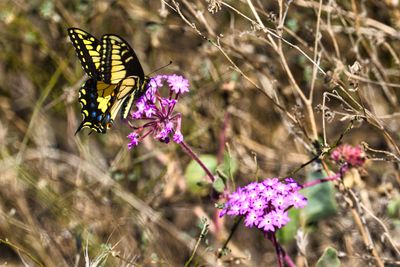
pixel 100 102
pixel 97 99
pixel 139 88
pixel 118 60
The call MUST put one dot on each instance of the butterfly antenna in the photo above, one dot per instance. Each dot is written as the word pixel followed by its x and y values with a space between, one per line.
pixel 170 62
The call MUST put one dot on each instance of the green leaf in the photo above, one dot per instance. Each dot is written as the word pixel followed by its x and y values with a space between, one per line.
pixel 288 232
pixel 329 258
pixel 195 175
pixel 219 185
pixel 226 170
pixel 321 199
pixel 230 165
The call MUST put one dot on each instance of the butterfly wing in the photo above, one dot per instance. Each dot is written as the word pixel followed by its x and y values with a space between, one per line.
pixel 100 102
pixel 139 88
pixel 128 91
pixel 117 78
pixel 118 60
pixel 88 50
pixel 119 64
pixel 96 99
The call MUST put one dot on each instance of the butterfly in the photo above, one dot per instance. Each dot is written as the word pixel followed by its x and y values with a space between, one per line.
pixel 116 78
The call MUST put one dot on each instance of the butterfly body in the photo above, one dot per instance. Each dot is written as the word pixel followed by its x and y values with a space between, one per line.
pixel 116 78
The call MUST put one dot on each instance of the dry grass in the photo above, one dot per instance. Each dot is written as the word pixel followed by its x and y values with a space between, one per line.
pixel 272 76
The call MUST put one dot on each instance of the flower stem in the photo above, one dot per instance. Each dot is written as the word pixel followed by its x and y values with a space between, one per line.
pixel 323 180
pixel 193 155
pixel 233 230
pixel 281 253
pixel 278 250
pixel 286 257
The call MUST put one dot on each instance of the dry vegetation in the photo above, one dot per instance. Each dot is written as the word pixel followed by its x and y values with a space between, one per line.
pixel 276 83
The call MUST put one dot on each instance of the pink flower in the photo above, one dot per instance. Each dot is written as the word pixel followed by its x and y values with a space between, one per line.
pixel 178 84
pixel 156 113
pixel 264 205
pixel 133 140
pixel 280 218
pixel 266 223
pixel 353 156
pixel 298 201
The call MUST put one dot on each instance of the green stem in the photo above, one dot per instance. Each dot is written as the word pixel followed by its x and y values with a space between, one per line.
pixel 233 230
pixel 201 237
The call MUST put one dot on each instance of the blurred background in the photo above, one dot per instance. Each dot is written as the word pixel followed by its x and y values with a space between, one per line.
pixel 63 194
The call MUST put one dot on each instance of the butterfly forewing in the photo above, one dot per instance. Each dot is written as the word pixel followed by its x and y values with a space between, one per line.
pixel 88 50
pixel 118 60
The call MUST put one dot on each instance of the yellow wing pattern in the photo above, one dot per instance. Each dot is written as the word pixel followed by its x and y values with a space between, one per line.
pixel 118 60
pixel 116 78
pixel 96 99
pixel 87 49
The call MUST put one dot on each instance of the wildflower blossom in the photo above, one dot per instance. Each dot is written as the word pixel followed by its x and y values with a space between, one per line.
pixel 297 200
pixel 157 112
pixel 264 205
pixel 280 217
pixel 259 204
pixel 251 218
pixel 353 156
pixel 266 223
pixel 178 84
pixel 280 201
pixel 133 140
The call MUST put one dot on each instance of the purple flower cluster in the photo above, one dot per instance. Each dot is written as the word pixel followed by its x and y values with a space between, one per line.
pixel 265 204
pixel 353 156
pixel 156 111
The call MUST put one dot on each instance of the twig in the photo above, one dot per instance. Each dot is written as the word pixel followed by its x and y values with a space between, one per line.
pixel 203 234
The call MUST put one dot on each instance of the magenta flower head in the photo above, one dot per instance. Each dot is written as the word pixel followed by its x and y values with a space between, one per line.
pixel 264 205
pixel 353 156
pixel 154 114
